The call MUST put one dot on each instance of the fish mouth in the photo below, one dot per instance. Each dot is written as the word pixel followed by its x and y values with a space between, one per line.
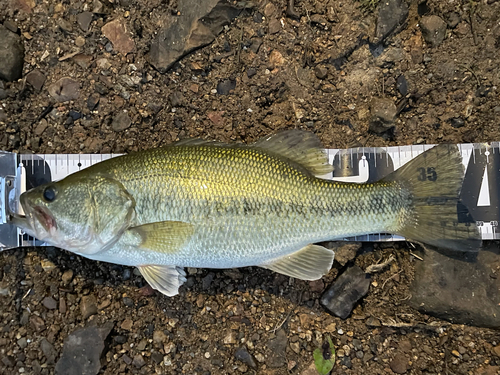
pixel 45 219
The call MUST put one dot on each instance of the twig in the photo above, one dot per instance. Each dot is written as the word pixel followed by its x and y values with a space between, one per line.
pixel 417 256
pixel 390 278
pixel 379 266
pixel 472 72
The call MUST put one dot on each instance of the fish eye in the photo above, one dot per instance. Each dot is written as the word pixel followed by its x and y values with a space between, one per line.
pixel 49 194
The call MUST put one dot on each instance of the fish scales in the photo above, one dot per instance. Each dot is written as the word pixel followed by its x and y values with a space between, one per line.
pixel 248 206
pixel 202 204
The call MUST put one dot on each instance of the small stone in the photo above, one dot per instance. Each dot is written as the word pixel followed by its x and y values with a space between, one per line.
pixel 274 26
pixel 37 323
pixel 269 9
pixel 176 99
pixel 453 19
pixel 36 79
pixel 402 85
pixel 116 32
pixel 103 304
pixel 399 364
pixel 62 305
pixel 159 337
pixel 11 55
pixel 88 306
pixel 47 265
pixel 457 122
pixel 120 339
pixel 256 43
pixel 22 342
pixel 50 303
pixel 48 350
pixel 277 350
pixel 206 282
pixel 82 351
pixel 373 322
pixel 433 30
pixel 346 290
pixel 157 357
pixel 251 72
pixel 10 25
pixel 67 276
pixel 84 19
pixel 456 353
pixel 276 59
pixel 321 71
pixel 8 361
pixel 138 361
pixel 127 324
pixel 383 115
pixel 391 14
pixel 93 101
pixel 225 86
pixel 496 350
pixel 129 302
pixel 242 355
pixel 65 89
pixel 316 286
pixel 121 122
pixel 230 338
pixel 194 87
pixel 79 41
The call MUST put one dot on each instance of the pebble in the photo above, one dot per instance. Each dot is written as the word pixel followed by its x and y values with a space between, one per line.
pixel 433 29
pixel 391 13
pixel 93 101
pixel 116 32
pixel 62 305
pixel 138 361
pixel 79 41
pixel 274 26
pixel 244 356
pixel 84 19
pixel 121 122
pixel 88 306
pixel 22 342
pixel 225 86
pixel 159 337
pixel 346 291
pixel 277 350
pixel 383 114
pixel 11 55
pixel 230 338
pixel 37 323
pixel 251 72
pixel 321 71
pixel 276 59
pixel 402 85
pixel 399 364
pixel 206 282
pixel 373 322
pixel 129 302
pixel 36 79
pixel 157 357
pixel 10 25
pixel 50 303
pixel 47 265
pixel 496 350
pixel 65 89
pixel 82 351
pixel 127 324
pixel 48 350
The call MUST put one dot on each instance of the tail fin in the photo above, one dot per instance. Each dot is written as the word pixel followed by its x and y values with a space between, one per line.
pixel 434 179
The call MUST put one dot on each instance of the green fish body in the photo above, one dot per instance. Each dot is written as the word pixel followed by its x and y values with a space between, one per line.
pixel 206 204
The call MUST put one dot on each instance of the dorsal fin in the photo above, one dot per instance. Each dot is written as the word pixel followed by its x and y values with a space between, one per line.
pixel 301 147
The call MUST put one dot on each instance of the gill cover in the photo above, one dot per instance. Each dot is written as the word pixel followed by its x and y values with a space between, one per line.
pixel 89 213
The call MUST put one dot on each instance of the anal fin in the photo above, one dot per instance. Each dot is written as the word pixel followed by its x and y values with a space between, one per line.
pixel 309 263
pixel 165 279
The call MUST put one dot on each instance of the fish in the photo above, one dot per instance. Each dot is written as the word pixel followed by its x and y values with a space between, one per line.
pixel 206 204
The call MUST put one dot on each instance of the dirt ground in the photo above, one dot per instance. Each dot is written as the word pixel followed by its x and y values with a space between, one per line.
pixel 316 73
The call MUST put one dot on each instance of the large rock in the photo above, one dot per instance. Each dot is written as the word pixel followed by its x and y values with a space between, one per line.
pixel 391 14
pixel 82 351
pixel 462 288
pixel 197 25
pixel 346 291
pixel 11 55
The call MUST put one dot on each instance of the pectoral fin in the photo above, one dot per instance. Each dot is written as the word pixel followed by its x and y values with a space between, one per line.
pixel 309 263
pixel 165 279
pixel 164 236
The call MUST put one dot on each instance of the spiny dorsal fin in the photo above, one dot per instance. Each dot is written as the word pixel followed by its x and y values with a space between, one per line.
pixel 164 236
pixel 309 263
pixel 165 279
pixel 302 147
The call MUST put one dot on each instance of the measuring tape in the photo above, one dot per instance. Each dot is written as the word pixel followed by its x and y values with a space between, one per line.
pixel 480 194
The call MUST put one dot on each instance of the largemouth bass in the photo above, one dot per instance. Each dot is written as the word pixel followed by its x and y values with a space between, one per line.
pixel 206 204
